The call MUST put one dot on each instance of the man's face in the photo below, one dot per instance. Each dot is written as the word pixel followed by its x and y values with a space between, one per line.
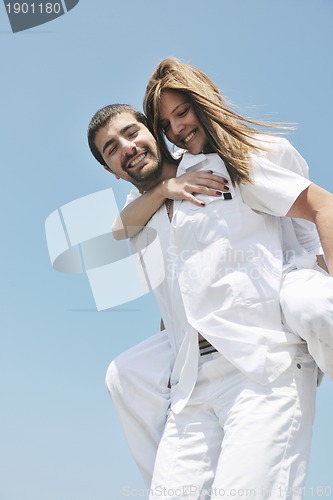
pixel 129 150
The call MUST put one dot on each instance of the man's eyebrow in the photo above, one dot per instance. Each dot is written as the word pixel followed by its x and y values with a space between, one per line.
pixel 121 132
pixel 130 125
pixel 107 144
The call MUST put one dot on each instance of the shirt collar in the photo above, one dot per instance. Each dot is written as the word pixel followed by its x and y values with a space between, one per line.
pixel 189 161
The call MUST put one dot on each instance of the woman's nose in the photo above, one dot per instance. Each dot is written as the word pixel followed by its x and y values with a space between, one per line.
pixel 177 127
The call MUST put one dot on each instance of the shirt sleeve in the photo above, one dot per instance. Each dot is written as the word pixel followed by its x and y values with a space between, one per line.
pixel 275 186
pixel 307 236
pixel 280 151
pixel 133 195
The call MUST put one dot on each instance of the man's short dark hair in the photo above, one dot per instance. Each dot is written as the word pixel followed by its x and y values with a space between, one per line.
pixel 102 118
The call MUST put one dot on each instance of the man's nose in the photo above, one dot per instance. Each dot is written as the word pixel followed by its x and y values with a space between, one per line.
pixel 128 146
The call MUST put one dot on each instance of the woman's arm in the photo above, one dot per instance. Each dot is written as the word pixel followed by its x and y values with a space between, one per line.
pixel 316 204
pixel 136 215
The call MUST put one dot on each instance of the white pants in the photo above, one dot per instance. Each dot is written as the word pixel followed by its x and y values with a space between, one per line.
pixel 137 381
pixel 306 300
pixel 239 439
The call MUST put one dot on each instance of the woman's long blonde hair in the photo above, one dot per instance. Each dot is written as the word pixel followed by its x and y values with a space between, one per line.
pixel 229 134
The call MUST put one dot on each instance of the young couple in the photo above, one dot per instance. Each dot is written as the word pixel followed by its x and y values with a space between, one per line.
pixel 221 403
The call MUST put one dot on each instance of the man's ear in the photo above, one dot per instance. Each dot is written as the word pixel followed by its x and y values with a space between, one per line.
pixel 108 169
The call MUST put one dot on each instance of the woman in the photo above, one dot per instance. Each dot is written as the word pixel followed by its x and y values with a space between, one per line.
pixel 230 416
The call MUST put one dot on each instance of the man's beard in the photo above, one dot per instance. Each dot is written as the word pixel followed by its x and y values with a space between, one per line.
pixel 147 175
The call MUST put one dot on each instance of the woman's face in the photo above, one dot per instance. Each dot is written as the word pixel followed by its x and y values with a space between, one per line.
pixel 180 123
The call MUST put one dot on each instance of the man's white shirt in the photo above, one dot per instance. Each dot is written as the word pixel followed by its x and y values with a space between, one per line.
pixel 224 264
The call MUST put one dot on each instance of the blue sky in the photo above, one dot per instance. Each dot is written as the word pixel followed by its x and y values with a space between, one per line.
pixel 60 439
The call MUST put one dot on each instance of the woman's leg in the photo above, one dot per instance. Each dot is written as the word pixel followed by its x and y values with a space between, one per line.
pixel 306 299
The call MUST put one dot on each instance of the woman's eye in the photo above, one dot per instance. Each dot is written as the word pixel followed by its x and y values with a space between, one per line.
pixel 165 128
pixel 183 113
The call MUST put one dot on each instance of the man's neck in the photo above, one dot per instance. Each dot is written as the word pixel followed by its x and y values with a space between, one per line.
pixel 168 172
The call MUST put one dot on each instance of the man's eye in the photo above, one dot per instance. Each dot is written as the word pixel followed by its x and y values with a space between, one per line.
pixel 133 134
pixel 112 150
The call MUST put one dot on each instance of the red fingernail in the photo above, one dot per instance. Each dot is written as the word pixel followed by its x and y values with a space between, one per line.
pixel 203 204
pixel 219 193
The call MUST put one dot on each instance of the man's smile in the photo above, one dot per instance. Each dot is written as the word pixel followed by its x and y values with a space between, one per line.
pixel 134 161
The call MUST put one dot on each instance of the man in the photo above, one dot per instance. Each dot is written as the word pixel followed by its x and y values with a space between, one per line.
pixel 138 379
pixel 120 141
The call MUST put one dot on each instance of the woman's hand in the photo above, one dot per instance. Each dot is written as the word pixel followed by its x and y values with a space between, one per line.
pixel 187 185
